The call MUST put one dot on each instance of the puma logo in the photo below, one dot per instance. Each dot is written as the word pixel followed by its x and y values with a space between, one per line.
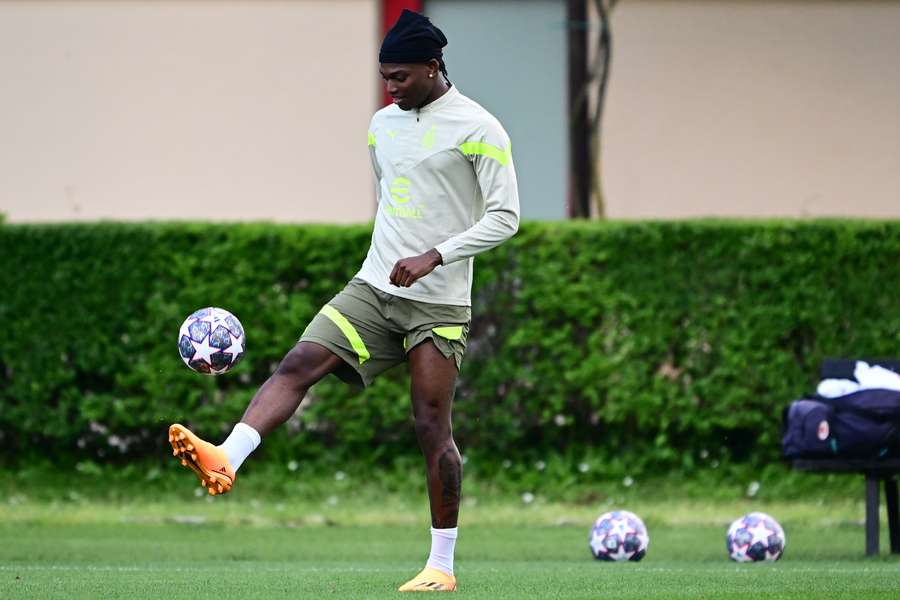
pixel 428 139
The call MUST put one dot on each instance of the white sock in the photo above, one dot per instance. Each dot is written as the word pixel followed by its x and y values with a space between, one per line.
pixel 442 543
pixel 240 443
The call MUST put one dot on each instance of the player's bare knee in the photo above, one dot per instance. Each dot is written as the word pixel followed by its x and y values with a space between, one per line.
pixel 424 429
pixel 296 368
pixel 433 434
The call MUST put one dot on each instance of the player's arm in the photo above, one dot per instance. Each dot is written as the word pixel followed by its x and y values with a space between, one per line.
pixel 407 271
pixel 491 156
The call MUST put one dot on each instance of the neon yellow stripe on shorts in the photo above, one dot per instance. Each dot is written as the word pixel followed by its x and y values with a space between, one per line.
pixel 348 330
pixel 449 333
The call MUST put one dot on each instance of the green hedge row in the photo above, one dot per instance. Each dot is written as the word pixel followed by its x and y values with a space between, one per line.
pixel 642 346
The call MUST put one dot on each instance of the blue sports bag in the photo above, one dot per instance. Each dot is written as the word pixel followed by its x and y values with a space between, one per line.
pixel 864 425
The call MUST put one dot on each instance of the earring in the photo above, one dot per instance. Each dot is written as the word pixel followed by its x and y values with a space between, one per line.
pixel 430 75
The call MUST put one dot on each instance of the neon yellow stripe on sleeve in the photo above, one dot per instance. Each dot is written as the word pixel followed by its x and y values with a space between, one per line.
pixel 371 139
pixel 348 330
pixel 501 156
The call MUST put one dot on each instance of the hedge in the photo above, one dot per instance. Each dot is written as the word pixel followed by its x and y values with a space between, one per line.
pixel 659 345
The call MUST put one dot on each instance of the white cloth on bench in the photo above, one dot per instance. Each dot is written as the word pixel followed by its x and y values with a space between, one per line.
pixel 866 377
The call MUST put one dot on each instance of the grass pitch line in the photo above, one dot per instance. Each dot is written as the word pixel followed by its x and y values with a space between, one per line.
pixel 160 569
pixel 748 570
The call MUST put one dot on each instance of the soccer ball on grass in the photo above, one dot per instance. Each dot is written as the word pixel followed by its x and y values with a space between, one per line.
pixel 619 535
pixel 755 537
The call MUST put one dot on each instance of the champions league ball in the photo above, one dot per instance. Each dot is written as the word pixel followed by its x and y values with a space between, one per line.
pixel 619 535
pixel 755 537
pixel 211 341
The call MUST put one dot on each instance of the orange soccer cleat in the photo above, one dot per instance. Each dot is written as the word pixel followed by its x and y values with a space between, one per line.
pixel 207 461
pixel 430 580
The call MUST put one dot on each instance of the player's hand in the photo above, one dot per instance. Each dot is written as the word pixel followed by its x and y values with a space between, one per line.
pixel 409 270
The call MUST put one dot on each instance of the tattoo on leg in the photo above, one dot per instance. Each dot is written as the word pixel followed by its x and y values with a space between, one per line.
pixel 450 475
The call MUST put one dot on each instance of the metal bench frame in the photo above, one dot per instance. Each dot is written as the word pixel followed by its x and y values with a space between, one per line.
pixel 875 471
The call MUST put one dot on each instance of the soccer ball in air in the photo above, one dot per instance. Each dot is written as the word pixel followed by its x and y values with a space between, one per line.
pixel 211 341
pixel 619 535
pixel 755 537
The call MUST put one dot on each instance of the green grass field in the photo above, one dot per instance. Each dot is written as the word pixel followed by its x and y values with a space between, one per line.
pixel 212 561
pixel 239 547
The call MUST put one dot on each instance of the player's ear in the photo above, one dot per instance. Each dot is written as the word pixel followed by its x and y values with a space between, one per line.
pixel 433 68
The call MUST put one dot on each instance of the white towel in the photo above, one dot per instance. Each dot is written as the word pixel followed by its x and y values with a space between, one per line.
pixel 867 378
pixel 875 377
pixel 835 388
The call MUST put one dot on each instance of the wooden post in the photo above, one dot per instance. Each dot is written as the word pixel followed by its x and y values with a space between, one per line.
pixel 578 201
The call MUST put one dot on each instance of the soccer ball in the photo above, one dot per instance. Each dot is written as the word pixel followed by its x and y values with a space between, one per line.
pixel 755 537
pixel 211 341
pixel 619 535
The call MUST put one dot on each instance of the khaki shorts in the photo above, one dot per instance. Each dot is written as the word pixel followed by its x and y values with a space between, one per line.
pixel 373 331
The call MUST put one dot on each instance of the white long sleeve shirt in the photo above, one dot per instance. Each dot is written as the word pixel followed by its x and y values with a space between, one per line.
pixel 445 180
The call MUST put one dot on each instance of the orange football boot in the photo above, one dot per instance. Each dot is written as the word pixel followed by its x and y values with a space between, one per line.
pixel 430 580
pixel 207 461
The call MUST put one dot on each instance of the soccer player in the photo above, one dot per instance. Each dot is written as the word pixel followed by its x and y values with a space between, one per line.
pixel 446 192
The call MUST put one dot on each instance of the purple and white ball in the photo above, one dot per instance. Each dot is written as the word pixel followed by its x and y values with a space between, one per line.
pixel 619 535
pixel 211 341
pixel 755 537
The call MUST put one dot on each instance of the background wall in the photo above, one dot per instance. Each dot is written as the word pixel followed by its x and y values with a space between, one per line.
pixel 231 110
pixel 510 57
pixel 187 110
pixel 728 107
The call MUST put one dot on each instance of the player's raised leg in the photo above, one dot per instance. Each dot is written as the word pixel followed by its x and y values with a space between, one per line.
pixel 433 379
pixel 274 402
pixel 281 394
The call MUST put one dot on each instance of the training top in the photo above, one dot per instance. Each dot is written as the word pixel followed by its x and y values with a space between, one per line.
pixel 445 180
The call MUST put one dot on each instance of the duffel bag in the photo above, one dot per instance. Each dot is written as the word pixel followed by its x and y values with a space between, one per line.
pixel 864 424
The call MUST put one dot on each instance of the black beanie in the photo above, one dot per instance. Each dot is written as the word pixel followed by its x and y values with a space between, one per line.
pixel 412 39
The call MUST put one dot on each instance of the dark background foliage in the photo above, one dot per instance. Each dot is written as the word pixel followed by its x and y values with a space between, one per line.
pixel 659 344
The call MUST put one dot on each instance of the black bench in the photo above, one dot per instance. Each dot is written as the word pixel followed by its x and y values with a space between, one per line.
pixel 875 471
